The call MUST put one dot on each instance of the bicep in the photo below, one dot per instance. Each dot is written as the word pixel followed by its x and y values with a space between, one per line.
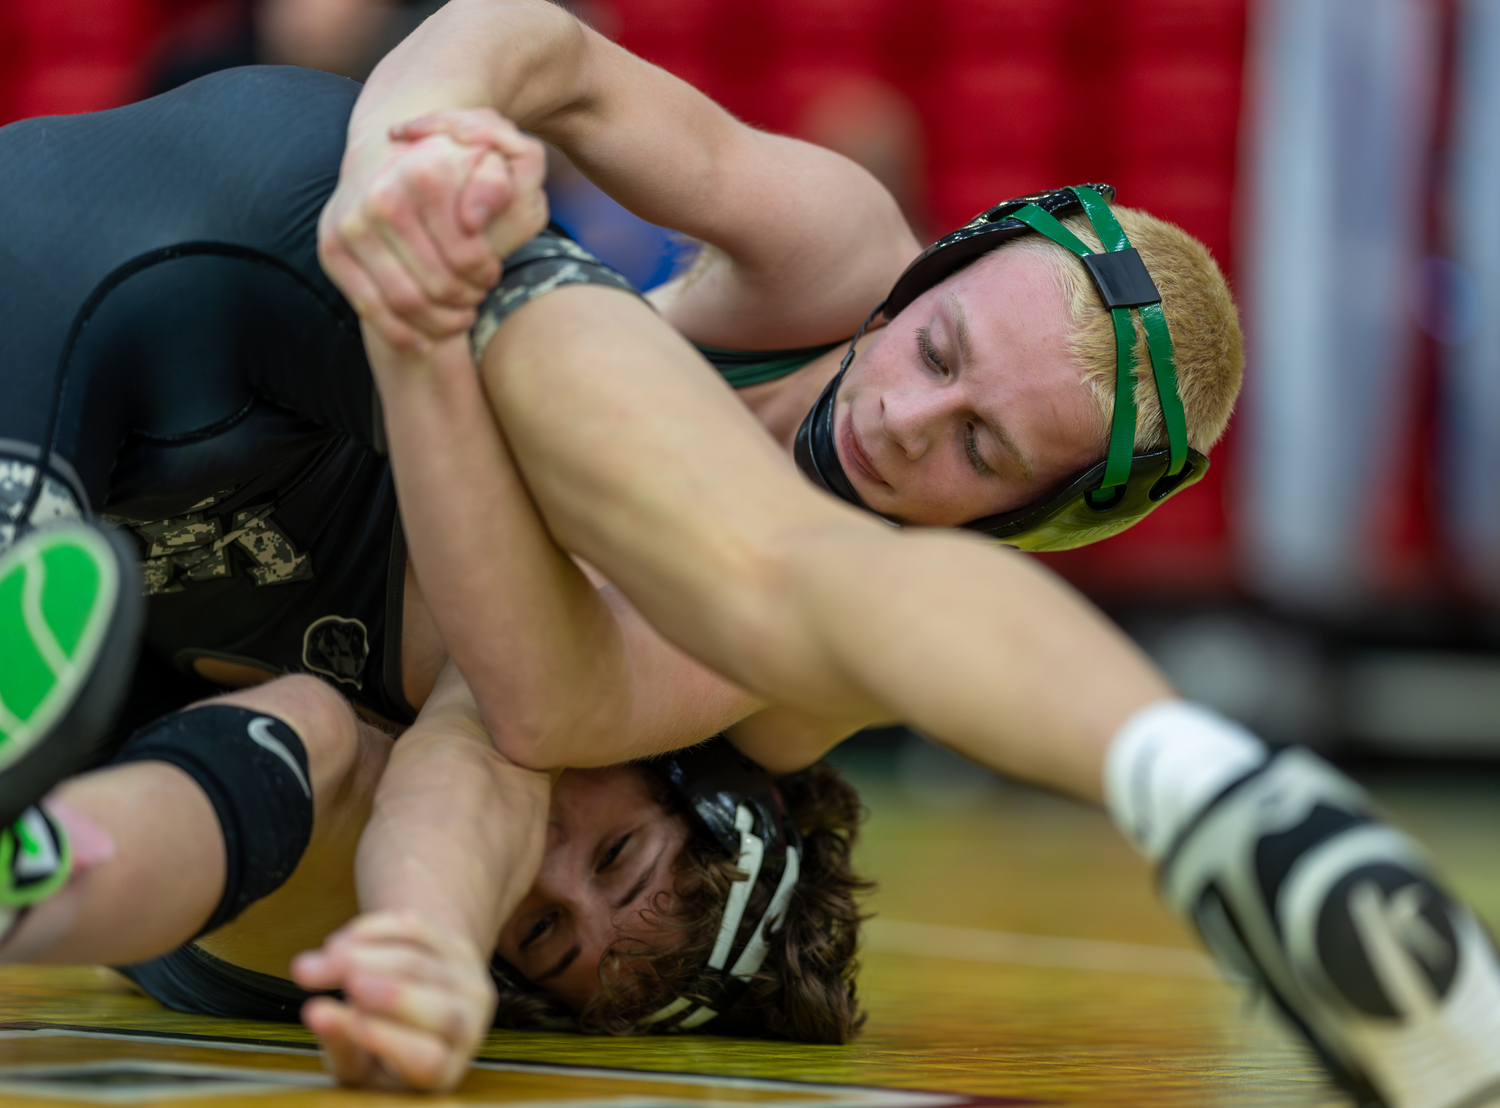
pixel 807 241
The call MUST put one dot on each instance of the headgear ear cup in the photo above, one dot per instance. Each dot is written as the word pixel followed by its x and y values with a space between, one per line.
pixel 737 804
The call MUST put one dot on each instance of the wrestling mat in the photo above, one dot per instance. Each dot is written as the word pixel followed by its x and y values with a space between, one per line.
pixel 1018 957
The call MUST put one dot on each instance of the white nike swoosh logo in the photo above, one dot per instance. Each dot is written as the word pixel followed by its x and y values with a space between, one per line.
pixel 260 732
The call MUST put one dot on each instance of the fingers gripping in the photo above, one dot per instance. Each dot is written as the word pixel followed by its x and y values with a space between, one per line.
pixel 418 244
pixel 400 254
pixel 481 200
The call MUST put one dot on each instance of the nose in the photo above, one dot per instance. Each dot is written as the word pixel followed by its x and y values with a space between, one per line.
pixel 913 418
pixel 561 875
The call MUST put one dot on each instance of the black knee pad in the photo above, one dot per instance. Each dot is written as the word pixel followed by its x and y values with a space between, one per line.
pixel 253 768
pixel 538 266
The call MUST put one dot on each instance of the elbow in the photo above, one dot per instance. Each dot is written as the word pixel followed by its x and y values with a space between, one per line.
pixel 524 747
pixel 532 744
pixel 559 726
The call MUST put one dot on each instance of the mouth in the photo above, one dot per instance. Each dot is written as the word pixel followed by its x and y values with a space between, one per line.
pixel 853 453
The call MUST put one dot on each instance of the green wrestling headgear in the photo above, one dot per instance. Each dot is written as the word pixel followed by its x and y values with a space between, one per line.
pixel 1117 492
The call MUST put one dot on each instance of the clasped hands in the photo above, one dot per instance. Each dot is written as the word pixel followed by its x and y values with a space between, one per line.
pixel 415 231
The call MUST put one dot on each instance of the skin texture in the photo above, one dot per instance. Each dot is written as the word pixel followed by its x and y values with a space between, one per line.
pixel 697 516
pixel 417 989
pixel 610 852
pixel 650 470
pixel 969 402
pixel 804 243
pixel 639 461
pixel 141 805
pixel 540 631
pixel 809 240
pixel 635 506
pixel 404 933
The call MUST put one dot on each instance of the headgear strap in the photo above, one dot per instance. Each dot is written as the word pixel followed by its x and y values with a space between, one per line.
pixel 1107 497
pixel 1123 284
pixel 736 801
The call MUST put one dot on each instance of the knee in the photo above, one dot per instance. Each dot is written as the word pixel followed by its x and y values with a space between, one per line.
pixel 323 719
pixel 266 759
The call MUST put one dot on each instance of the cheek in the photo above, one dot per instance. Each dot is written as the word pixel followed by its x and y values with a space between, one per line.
pixel 1082 432
pixel 875 367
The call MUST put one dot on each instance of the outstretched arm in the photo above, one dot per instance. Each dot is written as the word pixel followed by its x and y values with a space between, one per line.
pixel 809 241
pixel 640 461
pixel 452 845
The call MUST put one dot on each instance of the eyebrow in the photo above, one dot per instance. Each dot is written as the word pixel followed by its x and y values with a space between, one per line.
pixel 640 885
pixel 562 963
pixel 998 430
pixel 966 347
pixel 961 327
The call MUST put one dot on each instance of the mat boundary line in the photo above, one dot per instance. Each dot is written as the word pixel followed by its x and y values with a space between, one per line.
pixel 894 1098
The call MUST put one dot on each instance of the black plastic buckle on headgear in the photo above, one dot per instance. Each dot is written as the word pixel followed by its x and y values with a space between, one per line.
pixel 737 803
pixel 1106 498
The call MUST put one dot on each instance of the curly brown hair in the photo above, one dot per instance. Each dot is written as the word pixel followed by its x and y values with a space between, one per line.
pixel 806 988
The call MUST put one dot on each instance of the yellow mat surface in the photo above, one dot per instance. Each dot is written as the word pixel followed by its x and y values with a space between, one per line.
pixel 1019 957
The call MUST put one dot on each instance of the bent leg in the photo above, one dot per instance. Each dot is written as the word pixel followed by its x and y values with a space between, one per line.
pixel 167 874
pixel 641 466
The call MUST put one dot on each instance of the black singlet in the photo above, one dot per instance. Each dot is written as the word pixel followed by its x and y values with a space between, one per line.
pixel 166 332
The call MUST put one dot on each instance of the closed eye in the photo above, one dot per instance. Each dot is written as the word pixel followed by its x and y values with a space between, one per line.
pixel 929 352
pixel 971 448
pixel 538 929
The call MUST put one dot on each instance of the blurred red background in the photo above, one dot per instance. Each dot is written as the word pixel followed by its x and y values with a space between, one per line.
pixel 959 104
pixel 955 104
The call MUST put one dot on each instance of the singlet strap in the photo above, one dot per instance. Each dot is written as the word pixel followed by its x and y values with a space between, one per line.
pixel 743 368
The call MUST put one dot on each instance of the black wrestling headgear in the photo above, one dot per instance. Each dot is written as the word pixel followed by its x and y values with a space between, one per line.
pixel 738 804
pixel 1119 491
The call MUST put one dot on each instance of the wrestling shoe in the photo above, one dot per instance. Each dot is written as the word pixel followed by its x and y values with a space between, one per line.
pixel 70 621
pixel 35 861
pixel 1298 888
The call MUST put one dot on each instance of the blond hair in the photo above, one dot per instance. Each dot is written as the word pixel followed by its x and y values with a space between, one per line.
pixel 1205 326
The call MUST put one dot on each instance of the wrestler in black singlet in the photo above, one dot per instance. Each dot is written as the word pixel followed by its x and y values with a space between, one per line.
pixel 169 340
pixel 169 336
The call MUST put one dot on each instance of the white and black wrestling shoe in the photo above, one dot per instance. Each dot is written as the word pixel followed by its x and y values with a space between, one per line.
pixel 1299 888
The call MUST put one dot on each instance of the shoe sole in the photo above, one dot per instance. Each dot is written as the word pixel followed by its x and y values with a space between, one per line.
pixel 1293 883
pixel 59 732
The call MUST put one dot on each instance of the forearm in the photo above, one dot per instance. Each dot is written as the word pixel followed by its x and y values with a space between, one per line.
pixel 523 58
pixel 523 623
pixel 785 739
pixel 456 833
pixel 812 239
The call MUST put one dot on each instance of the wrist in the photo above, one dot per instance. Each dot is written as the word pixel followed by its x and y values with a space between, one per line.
pixel 443 373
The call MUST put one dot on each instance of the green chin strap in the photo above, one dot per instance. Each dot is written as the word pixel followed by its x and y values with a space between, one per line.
pixel 1125 286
